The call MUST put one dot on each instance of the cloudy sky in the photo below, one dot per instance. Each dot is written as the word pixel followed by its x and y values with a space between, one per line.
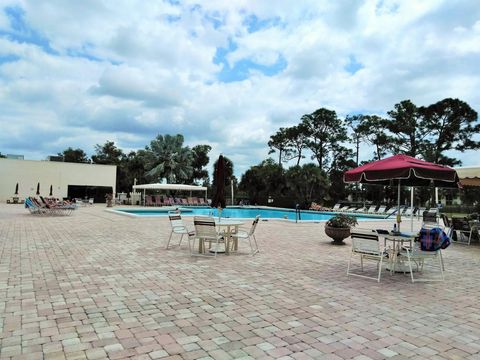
pixel 224 73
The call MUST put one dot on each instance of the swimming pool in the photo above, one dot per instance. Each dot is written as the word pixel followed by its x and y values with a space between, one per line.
pixel 240 212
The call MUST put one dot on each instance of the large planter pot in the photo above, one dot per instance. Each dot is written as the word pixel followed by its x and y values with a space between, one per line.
pixel 337 234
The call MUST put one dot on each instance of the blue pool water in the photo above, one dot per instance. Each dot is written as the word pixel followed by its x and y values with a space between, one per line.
pixel 242 213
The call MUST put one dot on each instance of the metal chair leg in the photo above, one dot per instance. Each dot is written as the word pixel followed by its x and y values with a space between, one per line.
pixel 169 238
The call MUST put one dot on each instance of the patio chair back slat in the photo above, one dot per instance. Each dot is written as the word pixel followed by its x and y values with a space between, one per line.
pixel 365 241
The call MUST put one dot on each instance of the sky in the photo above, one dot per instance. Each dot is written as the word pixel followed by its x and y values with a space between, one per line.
pixel 224 73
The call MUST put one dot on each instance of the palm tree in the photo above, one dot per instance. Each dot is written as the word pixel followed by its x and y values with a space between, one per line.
pixel 168 159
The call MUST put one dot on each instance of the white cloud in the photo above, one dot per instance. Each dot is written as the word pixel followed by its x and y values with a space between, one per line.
pixel 126 71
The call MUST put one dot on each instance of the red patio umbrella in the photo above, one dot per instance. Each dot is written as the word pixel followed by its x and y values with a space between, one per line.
pixel 403 170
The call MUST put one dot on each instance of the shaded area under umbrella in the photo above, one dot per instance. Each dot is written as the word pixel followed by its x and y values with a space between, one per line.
pixel 219 179
pixel 38 189
pixel 403 170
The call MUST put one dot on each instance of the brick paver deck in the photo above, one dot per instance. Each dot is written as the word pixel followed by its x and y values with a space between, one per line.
pixel 97 285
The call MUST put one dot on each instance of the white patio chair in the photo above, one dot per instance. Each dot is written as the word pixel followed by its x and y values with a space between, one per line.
pixel 419 256
pixel 366 245
pixel 178 227
pixel 205 232
pixel 249 234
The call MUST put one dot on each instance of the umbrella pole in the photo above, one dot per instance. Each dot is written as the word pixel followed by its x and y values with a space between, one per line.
pixel 398 209
pixel 411 208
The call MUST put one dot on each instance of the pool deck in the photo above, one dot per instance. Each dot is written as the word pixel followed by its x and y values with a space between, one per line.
pixel 97 285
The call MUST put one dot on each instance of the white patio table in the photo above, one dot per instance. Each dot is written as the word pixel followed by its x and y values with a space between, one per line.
pixel 228 227
pixel 396 263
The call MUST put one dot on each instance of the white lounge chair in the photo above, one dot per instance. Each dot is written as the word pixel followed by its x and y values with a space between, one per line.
pixel 370 209
pixel 392 211
pixel 408 212
pixel 373 209
pixel 337 207
pixel 381 210
pixel 420 212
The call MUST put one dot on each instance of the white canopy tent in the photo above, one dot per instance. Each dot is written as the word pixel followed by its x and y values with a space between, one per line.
pixel 178 187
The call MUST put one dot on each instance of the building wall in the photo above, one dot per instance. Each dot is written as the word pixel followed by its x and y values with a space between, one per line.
pixel 28 173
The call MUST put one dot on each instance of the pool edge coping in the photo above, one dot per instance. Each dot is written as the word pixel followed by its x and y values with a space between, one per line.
pixel 186 214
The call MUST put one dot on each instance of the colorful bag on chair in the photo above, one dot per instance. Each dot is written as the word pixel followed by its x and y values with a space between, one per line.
pixel 433 239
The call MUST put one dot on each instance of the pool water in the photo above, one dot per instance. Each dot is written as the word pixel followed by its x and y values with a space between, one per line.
pixel 242 213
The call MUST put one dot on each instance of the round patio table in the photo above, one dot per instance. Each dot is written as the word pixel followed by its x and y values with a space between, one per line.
pixel 398 240
pixel 228 227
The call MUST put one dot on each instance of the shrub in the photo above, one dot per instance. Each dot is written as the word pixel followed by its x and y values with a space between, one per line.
pixel 342 221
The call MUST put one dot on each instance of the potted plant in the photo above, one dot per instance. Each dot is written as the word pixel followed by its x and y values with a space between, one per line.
pixel 338 227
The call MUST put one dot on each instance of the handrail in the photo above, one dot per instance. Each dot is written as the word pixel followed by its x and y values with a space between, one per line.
pixel 298 215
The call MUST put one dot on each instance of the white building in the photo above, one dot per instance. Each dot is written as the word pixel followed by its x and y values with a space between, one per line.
pixel 72 180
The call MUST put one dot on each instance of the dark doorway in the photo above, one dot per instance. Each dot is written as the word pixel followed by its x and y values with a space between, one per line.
pixel 84 191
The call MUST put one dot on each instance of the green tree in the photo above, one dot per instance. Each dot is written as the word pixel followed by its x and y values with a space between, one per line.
pixel 297 137
pixel 2 156
pixel 74 155
pixel 108 154
pixel 449 124
pixel 342 161
pixel 263 180
pixel 373 129
pixel 168 159
pixel 358 136
pixel 133 167
pixel 306 183
pixel 279 142
pixel 431 131
pixel 200 160
pixel 408 135
pixel 324 129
